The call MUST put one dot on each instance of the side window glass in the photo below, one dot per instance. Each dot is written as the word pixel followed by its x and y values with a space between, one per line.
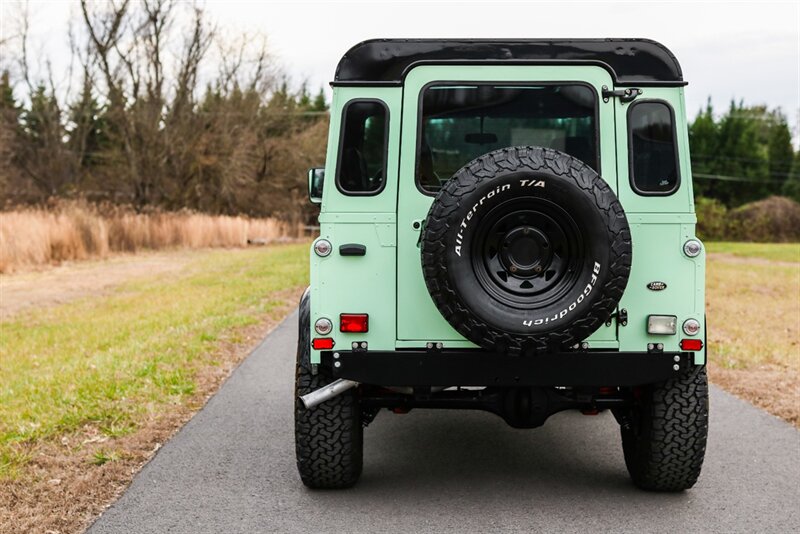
pixel 653 154
pixel 361 166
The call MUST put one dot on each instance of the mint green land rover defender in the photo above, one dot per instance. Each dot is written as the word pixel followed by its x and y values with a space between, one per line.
pixel 508 226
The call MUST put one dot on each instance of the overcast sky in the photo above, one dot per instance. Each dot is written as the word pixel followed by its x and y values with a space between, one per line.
pixel 741 50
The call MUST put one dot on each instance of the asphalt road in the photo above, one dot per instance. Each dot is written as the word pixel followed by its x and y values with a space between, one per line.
pixel 231 469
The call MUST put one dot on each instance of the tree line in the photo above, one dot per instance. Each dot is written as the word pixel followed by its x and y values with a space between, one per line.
pixel 144 122
pixel 744 155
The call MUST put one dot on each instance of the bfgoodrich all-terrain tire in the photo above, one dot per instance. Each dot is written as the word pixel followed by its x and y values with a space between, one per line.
pixel 664 435
pixel 526 250
pixel 329 437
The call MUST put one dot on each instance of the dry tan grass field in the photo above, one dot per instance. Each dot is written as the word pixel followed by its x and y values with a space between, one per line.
pixel 70 230
pixel 753 310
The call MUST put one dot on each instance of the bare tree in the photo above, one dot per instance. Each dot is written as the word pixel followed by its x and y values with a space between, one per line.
pixel 148 125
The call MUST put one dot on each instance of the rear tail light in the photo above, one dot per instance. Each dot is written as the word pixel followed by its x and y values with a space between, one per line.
pixel 354 322
pixel 322 343
pixel 691 344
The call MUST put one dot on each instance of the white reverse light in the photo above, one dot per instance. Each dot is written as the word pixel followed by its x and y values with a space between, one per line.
pixel 663 325
pixel 322 247
pixel 691 327
pixel 323 326
pixel 692 248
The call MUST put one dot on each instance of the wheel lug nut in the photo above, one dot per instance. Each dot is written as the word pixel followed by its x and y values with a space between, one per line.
pixel 513 269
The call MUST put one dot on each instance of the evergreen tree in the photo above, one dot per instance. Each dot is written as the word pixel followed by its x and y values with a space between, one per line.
pixel 88 136
pixel 779 148
pixel 704 142
pixel 9 135
pixel 7 100
pixel 304 98
pixel 319 103
pixel 791 187
pixel 42 152
pixel 743 156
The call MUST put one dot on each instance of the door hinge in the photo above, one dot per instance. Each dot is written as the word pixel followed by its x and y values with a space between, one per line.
pixel 624 95
pixel 621 316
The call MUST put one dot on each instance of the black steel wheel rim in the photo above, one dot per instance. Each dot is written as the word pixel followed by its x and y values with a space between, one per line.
pixel 527 253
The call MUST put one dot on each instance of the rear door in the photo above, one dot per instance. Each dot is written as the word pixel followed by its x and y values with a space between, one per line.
pixel 448 120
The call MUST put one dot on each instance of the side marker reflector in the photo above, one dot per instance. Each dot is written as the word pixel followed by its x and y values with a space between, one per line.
pixel 691 344
pixel 322 343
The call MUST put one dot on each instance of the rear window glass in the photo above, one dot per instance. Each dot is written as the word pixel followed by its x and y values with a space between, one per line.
pixel 653 158
pixel 462 122
pixel 361 167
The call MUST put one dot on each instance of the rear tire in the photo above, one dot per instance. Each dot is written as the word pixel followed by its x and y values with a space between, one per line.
pixel 664 435
pixel 329 437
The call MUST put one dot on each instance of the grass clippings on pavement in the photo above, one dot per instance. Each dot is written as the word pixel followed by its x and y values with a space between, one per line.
pixel 90 389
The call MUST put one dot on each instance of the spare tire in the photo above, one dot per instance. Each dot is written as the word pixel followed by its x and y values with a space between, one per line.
pixel 526 250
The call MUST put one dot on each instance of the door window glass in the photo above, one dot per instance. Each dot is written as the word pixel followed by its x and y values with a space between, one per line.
pixel 653 155
pixel 362 155
pixel 462 122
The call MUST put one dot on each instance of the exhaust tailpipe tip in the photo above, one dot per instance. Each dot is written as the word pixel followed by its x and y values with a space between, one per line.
pixel 334 389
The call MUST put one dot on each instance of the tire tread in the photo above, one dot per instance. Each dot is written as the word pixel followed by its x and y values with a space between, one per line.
pixel 667 452
pixel 329 437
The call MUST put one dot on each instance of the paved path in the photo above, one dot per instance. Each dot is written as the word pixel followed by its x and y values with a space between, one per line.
pixel 231 469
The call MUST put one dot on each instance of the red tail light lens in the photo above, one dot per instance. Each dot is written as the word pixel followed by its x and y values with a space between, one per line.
pixel 691 344
pixel 354 322
pixel 322 343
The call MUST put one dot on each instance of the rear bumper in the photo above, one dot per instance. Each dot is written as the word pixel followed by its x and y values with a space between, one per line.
pixel 478 368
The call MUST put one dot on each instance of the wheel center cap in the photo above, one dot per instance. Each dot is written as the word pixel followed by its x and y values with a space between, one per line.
pixel 525 251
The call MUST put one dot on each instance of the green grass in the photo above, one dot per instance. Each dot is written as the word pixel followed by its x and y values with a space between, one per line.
pixel 789 252
pixel 103 456
pixel 108 361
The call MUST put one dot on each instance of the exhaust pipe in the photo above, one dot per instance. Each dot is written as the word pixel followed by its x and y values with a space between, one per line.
pixel 337 387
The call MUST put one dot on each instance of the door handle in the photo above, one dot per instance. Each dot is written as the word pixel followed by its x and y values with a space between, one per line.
pixel 352 249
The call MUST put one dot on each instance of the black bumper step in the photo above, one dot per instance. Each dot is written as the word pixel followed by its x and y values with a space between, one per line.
pixel 478 368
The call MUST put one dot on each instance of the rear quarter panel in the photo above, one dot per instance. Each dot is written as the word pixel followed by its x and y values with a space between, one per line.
pixel 660 225
pixel 358 284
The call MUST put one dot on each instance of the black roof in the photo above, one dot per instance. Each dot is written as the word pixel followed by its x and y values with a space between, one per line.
pixel 629 61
